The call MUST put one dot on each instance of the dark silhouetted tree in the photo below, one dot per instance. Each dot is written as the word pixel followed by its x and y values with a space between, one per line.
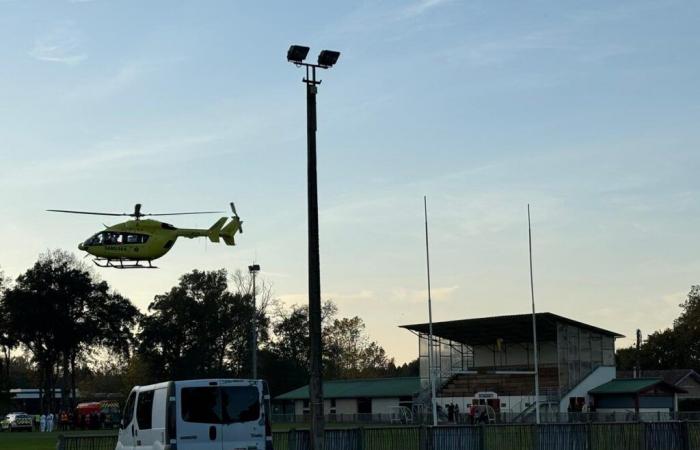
pixel 199 328
pixel 677 347
pixel 59 312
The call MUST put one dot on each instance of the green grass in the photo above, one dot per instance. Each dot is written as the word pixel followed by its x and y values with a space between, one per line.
pixel 22 440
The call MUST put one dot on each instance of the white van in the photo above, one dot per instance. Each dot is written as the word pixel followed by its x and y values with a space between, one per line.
pixel 218 414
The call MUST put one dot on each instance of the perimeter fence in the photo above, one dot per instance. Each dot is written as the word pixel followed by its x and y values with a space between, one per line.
pixel 577 436
pixel 564 436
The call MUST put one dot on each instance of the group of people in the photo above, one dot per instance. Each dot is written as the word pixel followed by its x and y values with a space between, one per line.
pixel 45 422
pixel 476 414
pixel 66 420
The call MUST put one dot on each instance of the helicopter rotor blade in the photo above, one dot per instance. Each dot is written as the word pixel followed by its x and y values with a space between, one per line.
pixel 184 213
pixel 88 212
pixel 233 209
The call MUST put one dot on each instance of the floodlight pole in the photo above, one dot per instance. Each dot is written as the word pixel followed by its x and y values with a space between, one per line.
pixel 534 323
pixel 254 332
pixel 316 385
pixel 316 369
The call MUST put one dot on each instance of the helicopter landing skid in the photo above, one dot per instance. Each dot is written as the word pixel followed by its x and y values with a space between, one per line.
pixel 123 263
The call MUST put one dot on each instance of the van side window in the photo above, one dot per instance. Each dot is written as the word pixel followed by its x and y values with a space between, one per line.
pixel 144 410
pixel 240 403
pixel 129 409
pixel 201 404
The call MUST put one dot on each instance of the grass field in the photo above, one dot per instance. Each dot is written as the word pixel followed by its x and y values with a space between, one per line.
pixel 47 441
pixel 22 440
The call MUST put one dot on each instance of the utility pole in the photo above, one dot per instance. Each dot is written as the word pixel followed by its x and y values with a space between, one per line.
pixel 638 368
pixel 326 59
pixel 534 323
pixel 253 270
pixel 431 350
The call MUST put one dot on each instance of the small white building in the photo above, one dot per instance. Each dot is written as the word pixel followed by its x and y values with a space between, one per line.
pixel 638 395
pixel 357 397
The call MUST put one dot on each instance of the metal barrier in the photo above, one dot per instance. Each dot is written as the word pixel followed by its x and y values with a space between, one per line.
pixel 503 417
pixel 86 442
pixel 565 436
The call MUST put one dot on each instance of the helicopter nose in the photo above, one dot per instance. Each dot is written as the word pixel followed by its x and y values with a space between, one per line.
pixel 81 246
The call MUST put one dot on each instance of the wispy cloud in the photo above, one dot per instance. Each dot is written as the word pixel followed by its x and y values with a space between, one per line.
pixel 420 7
pixel 109 154
pixel 403 295
pixel 374 16
pixel 113 83
pixel 63 44
pixel 477 52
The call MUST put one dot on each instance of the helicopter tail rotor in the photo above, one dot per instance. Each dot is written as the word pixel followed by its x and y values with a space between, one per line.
pixel 235 217
pixel 228 232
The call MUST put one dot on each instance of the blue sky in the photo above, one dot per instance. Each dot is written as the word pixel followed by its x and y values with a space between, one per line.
pixel 588 111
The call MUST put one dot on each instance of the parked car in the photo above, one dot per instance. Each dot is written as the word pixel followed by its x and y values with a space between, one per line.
pixel 16 421
pixel 213 414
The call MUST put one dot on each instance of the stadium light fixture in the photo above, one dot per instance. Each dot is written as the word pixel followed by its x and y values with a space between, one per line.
pixel 328 58
pixel 297 53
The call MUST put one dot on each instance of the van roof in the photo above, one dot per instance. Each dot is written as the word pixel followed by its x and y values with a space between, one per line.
pixel 203 381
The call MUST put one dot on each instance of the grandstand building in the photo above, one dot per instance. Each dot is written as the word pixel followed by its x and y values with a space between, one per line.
pixel 490 361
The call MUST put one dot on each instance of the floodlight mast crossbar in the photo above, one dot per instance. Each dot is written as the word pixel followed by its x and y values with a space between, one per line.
pixel 296 56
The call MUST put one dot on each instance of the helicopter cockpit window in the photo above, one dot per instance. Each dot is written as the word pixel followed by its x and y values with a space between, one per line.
pixel 95 240
pixel 110 238
pixel 135 238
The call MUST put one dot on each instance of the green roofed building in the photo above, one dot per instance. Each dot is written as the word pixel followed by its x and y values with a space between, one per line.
pixel 360 396
pixel 635 394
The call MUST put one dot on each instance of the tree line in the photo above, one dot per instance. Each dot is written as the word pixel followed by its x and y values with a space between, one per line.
pixel 63 328
pixel 677 347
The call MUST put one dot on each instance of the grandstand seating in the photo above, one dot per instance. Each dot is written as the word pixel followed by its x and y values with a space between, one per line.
pixel 467 384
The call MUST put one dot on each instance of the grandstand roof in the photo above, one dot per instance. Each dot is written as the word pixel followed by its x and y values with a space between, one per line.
pixel 513 328
pixel 670 376
pixel 368 387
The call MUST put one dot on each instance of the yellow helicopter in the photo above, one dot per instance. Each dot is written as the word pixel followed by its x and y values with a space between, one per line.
pixel 129 244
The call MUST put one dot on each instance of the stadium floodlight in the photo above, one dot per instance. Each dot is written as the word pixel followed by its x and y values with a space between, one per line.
pixel 297 53
pixel 327 58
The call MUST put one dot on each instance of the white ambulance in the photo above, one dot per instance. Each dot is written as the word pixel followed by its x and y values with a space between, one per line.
pixel 217 414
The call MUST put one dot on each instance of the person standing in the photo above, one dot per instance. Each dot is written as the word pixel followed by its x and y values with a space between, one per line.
pixel 49 422
pixel 472 413
pixel 42 423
